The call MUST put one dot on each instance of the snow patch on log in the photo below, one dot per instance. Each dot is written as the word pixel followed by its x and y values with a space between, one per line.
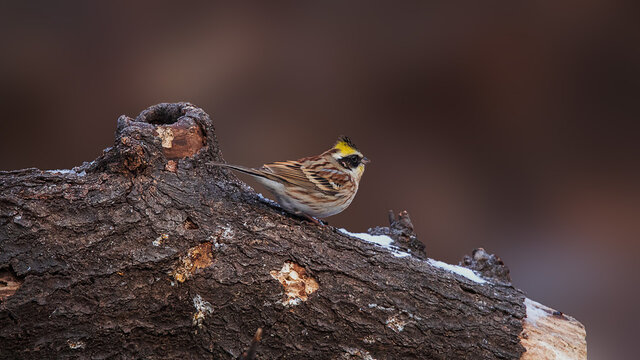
pixel 297 284
pixel 67 172
pixel 468 273
pixel 550 334
pixel 534 311
pixel 385 242
pixel 380 240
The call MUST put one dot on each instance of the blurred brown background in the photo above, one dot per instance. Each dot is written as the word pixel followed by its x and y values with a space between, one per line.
pixel 508 126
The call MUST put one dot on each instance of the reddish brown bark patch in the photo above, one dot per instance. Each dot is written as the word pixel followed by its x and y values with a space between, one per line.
pixel 180 140
pixel 9 284
pixel 197 257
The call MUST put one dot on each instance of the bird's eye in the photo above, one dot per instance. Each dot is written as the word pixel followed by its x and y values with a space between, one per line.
pixel 351 161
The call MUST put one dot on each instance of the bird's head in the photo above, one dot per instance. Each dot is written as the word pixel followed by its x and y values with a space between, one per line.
pixel 348 156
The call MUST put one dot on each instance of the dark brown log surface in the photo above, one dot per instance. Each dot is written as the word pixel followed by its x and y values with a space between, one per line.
pixel 148 252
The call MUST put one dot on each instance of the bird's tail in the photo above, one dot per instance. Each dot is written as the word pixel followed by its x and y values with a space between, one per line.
pixel 246 170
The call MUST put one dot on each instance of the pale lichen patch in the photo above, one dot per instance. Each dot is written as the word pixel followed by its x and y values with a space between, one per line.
pixel 224 232
pixel 396 323
pixel 203 308
pixel 297 284
pixel 198 257
pixel 369 339
pixel 166 135
pixel 159 239
pixel 354 353
pixel 76 344
pixel 376 306
pixel 399 320
pixel 220 235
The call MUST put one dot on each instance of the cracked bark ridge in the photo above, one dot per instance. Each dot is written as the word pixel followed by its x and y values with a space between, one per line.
pixel 488 265
pixel 147 252
pixel 401 230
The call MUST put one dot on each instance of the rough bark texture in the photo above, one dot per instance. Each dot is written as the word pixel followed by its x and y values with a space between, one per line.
pixel 148 252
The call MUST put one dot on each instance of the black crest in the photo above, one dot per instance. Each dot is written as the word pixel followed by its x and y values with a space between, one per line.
pixel 347 140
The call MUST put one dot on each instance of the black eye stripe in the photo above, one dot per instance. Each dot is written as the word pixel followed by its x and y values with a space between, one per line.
pixel 351 161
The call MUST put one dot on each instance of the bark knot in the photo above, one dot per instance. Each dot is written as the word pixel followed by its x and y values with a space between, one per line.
pixel 161 136
pixel 488 265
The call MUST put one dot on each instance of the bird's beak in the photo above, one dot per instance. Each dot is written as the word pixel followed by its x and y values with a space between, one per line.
pixel 365 161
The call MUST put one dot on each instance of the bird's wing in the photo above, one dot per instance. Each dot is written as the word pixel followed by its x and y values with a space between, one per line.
pixel 331 179
pixel 312 177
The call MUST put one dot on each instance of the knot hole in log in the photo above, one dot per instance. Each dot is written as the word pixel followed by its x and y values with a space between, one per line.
pixel 160 137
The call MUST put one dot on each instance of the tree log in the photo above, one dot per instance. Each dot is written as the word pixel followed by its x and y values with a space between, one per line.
pixel 149 252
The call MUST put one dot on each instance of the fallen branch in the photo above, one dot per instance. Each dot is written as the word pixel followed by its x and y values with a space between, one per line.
pixel 147 252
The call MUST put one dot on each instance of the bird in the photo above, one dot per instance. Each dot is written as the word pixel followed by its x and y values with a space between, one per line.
pixel 313 187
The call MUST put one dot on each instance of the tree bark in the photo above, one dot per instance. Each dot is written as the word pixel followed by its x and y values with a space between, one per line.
pixel 149 252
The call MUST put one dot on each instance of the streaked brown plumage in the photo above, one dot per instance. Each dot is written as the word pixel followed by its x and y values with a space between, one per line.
pixel 315 186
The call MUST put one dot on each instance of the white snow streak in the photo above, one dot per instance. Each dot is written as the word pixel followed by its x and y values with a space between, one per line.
pixel 534 311
pixel 385 242
pixel 380 240
pixel 463 271
pixel 67 172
